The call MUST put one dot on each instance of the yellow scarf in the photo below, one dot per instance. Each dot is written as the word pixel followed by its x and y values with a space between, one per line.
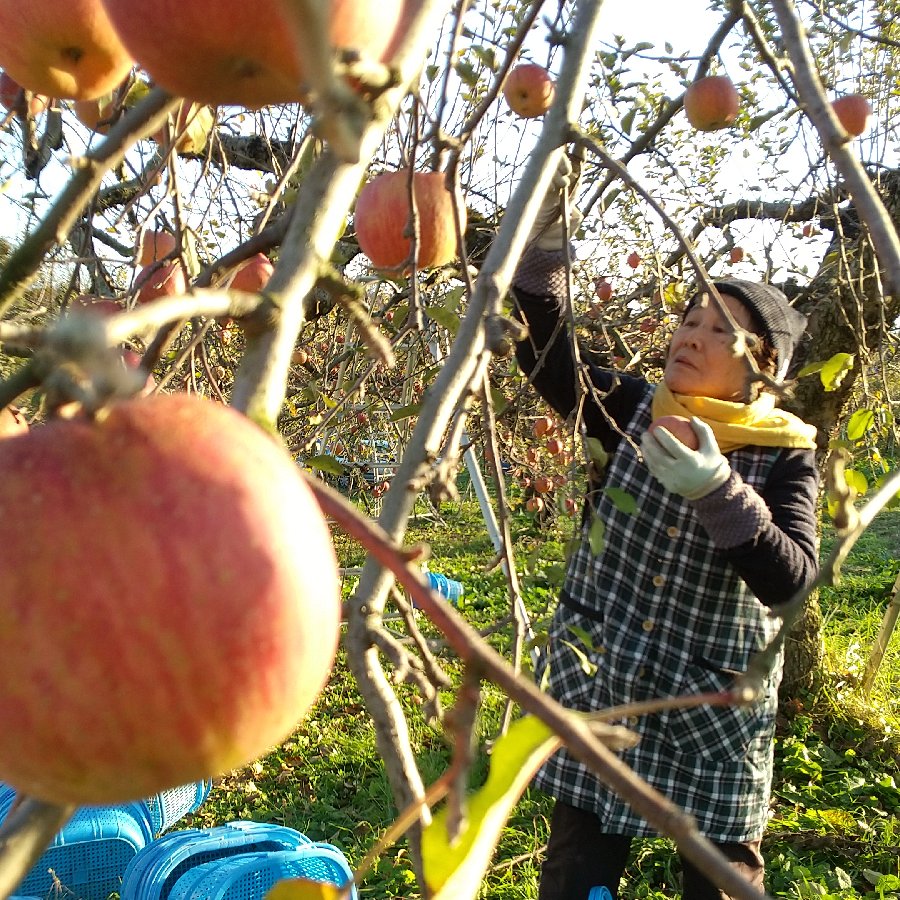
pixel 737 425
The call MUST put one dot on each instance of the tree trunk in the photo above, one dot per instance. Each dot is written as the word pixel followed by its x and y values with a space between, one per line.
pixel 848 313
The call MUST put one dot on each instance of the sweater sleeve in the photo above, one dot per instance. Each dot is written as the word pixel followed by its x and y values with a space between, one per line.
pixel 547 354
pixel 770 537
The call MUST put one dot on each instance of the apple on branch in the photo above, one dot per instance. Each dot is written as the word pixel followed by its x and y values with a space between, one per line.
pixel 712 103
pixel 383 215
pixel 529 90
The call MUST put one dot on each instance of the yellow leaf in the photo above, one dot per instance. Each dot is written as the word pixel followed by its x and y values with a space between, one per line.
pixel 304 889
pixel 455 871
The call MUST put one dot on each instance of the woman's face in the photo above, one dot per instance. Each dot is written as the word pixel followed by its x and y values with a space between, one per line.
pixel 702 360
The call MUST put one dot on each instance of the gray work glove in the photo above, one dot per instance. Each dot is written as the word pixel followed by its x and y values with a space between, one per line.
pixel 691 473
pixel 549 231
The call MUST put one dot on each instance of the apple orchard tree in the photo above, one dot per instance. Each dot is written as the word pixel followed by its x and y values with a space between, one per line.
pixel 221 240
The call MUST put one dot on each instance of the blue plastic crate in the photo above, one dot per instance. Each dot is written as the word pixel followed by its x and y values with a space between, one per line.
pixel 89 855
pixel 164 809
pixel 154 870
pixel 250 876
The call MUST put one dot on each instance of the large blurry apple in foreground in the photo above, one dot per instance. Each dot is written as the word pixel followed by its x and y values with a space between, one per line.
pixel 236 52
pixel 383 213
pixel 529 90
pixel 61 48
pixel 169 600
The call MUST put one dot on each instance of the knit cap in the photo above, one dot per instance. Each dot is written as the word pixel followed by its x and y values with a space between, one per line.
pixel 783 325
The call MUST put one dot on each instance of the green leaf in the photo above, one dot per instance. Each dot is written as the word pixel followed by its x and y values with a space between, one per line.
pixel 405 412
pixel 589 668
pixel 597 452
pixel 622 500
pixel 324 462
pixel 859 423
pixel 835 370
pixel 856 480
pixel 597 535
pixel 455 869
pixel 444 317
pixel 811 369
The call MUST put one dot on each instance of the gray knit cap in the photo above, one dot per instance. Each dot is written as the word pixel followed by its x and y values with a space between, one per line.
pixel 783 325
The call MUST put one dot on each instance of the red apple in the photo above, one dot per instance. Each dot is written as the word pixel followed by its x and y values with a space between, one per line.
pixel 299 357
pixel 95 305
pixel 554 446
pixel 808 230
pixel 712 102
pixel 172 556
pixel 159 280
pixel 233 52
pixel 12 422
pixel 736 254
pixel 156 245
pixel 853 111
pixel 634 259
pixel 383 214
pixel 603 290
pixel 252 275
pixel 679 427
pixel 534 504
pixel 529 90
pixel 571 506
pixel 543 425
pixel 13 100
pixel 62 48
pixel 543 484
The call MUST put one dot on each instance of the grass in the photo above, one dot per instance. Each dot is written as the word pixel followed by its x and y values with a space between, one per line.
pixel 835 826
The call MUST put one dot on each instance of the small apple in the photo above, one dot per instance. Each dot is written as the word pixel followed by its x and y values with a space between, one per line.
pixel 808 230
pixel 853 111
pixel 251 276
pixel 648 325
pixel 95 305
pixel 570 506
pixel 633 259
pixel 543 484
pixel 159 280
pixel 299 357
pixel 560 480
pixel 529 90
pixel 679 427
pixel 603 290
pixel 712 103
pixel 736 254
pixel 554 446
pixel 156 245
pixel 543 425
pixel 12 98
pixel 534 504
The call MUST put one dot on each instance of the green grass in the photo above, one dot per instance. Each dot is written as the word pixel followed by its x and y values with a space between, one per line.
pixel 835 827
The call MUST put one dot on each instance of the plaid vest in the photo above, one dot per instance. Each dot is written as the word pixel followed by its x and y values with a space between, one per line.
pixel 661 614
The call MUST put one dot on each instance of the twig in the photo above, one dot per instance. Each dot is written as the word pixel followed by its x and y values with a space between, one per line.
pixel 24 836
